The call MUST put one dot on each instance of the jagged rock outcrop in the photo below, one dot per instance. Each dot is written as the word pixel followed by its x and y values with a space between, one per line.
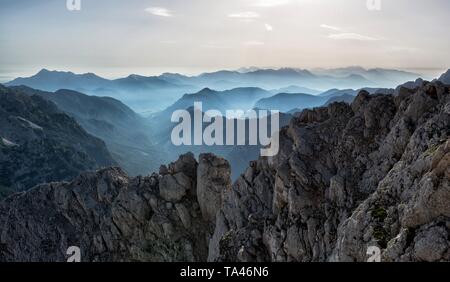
pixel 375 173
pixel 214 179
pixel 112 217
pixel 347 177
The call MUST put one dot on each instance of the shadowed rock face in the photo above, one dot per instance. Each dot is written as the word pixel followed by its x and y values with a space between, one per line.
pixel 39 143
pixel 374 173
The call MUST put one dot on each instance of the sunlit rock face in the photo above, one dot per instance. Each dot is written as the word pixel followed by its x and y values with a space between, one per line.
pixel 348 177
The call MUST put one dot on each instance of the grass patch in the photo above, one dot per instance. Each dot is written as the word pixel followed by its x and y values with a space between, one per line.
pixel 379 214
pixel 381 236
pixel 432 150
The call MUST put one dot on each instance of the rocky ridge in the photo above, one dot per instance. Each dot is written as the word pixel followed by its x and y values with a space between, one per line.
pixel 348 177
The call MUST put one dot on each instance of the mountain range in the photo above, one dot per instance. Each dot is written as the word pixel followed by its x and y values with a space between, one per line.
pixel 373 174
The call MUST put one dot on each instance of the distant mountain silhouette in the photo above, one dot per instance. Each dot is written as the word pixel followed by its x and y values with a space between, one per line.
pixel 295 89
pixel 382 77
pixel 54 80
pixel 235 99
pixel 139 92
pixel 338 92
pixel 285 102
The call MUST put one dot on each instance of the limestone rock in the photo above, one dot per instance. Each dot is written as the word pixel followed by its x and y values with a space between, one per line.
pixel 214 179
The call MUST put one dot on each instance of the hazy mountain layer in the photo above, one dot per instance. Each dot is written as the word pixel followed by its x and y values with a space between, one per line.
pixel 154 93
pixel 126 134
pixel 238 156
pixel 285 102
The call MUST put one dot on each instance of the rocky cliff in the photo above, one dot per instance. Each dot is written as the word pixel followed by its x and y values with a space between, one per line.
pixel 112 217
pixel 348 177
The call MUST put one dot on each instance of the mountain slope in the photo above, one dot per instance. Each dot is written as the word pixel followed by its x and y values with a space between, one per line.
pixel 126 134
pixel 42 144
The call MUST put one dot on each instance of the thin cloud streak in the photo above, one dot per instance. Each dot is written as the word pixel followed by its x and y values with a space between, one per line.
pixel 244 15
pixel 335 28
pixel 352 36
pixel 159 11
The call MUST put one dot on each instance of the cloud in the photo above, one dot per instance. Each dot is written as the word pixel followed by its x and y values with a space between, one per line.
pixel 335 28
pixel 159 11
pixel 268 27
pixel 352 36
pixel 270 3
pixel 244 15
pixel 344 35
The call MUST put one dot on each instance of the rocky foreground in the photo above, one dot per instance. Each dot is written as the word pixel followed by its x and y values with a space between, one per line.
pixel 348 177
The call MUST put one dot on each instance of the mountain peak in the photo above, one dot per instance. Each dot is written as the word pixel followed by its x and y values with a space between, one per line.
pixel 205 90
pixel 44 70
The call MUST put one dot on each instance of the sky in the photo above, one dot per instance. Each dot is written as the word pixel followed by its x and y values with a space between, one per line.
pixel 117 37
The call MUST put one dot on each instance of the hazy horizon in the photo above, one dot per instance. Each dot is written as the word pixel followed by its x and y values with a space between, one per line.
pixel 113 38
